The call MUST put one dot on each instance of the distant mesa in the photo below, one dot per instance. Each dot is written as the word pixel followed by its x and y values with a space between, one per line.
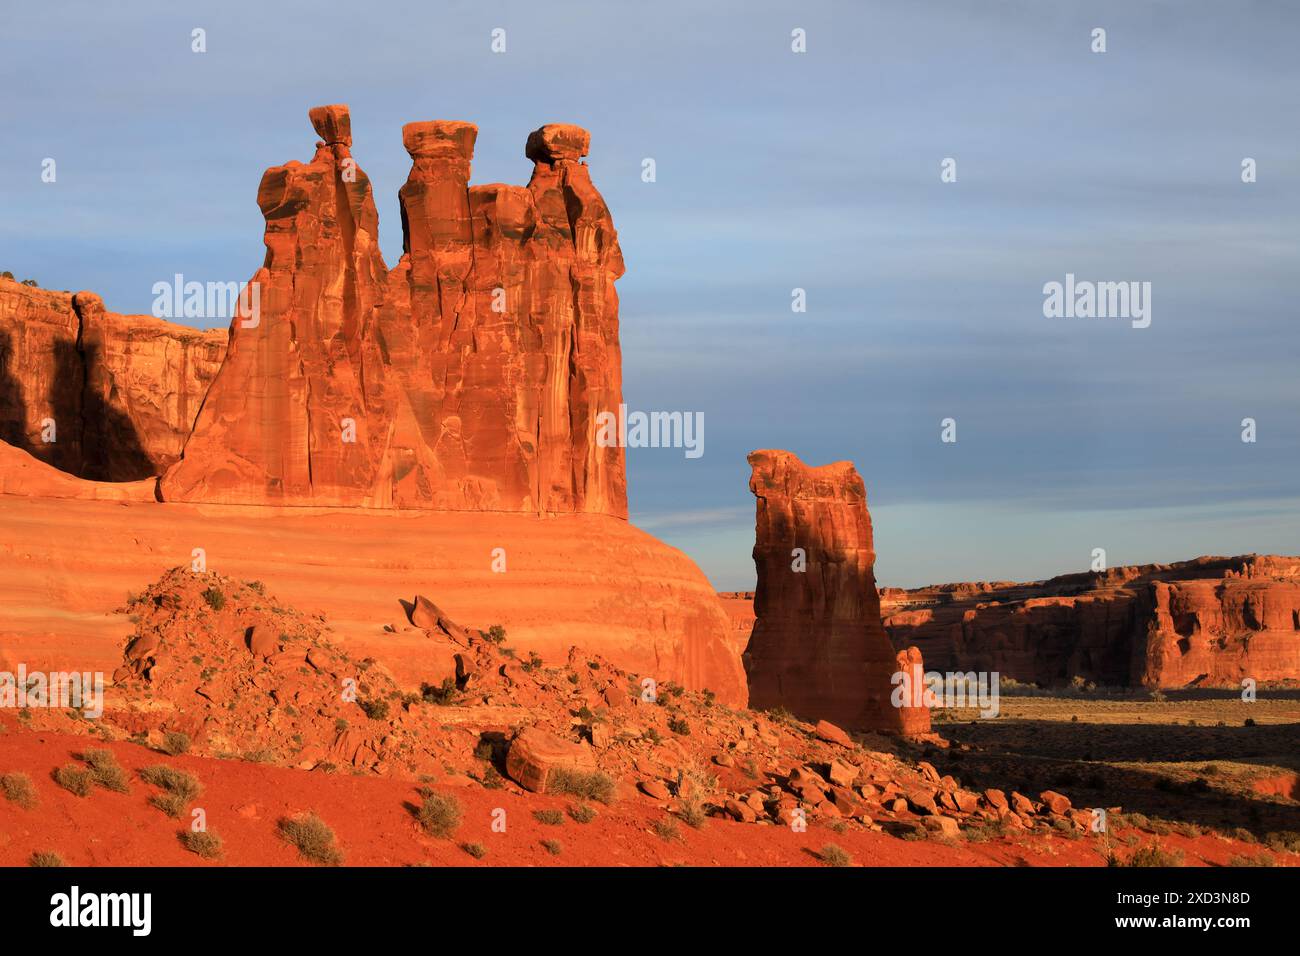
pixel 1207 622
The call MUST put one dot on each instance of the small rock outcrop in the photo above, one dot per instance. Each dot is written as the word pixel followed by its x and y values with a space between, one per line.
pixel 818 647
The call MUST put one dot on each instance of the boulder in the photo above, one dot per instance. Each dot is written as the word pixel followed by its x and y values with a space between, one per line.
pixel 536 754
pixel 1057 803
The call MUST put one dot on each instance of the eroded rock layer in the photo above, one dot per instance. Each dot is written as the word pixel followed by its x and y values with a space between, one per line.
pixel 467 378
pixel 1210 621
pixel 95 394
pixel 818 647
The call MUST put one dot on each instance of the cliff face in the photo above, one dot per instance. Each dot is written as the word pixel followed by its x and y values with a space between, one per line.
pixel 818 647
pixel 467 378
pixel 300 411
pixel 121 390
pixel 1210 621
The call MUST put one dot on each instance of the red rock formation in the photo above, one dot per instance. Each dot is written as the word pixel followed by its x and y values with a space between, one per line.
pixel 1210 621
pixel 471 375
pixel 468 379
pixel 739 606
pixel 122 390
pixel 818 647
pixel 300 410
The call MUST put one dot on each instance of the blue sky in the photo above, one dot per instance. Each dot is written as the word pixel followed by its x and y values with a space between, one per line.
pixel 778 170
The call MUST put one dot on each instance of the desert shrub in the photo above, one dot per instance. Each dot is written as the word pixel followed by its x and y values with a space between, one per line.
pixel 438 815
pixel 313 838
pixel 989 830
pixel 590 785
pixel 375 709
pixel 1288 840
pixel 667 830
pixel 18 788
pixel 175 743
pixel 169 803
pixel 680 726
pixel 582 813
pixel 43 858
pixel 476 850
pixel 833 855
pixel 1263 859
pixel 177 783
pixel 441 694
pixel 75 780
pixel 106 771
pixel 1154 855
pixel 551 818
pixel 496 634
pixel 783 716
pixel 553 847
pixel 205 843
pixel 215 598
pixel 691 810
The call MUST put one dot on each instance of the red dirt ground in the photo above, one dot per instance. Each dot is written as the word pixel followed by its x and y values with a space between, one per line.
pixel 243 802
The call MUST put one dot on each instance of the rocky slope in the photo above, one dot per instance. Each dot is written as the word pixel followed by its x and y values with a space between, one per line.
pixel 264 716
pixel 221 668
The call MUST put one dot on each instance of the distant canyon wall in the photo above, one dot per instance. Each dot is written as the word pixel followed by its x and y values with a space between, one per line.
pixel 1211 621
pixel 98 395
